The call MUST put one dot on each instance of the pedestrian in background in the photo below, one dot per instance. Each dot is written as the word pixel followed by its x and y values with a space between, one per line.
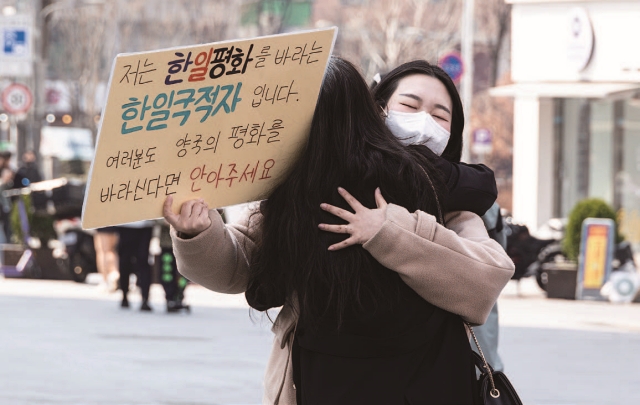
pixel 133 252
pixel 28 171
pixel 172 281
pixel 105 242
pixel 6 182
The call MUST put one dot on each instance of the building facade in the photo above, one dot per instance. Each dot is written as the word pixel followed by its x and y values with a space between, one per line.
pixel 575 67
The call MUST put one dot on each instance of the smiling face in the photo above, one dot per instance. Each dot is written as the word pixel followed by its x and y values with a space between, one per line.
pixel 420 92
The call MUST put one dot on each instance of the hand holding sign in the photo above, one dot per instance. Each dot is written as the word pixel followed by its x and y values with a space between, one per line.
pixel 193 217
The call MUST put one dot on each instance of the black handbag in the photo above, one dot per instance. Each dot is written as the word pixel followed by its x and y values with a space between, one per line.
pixel 493 387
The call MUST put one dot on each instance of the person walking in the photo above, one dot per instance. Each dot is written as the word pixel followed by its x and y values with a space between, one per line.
pixel 133 253
pixel 28 171
pixel 6 182
pixel 105 242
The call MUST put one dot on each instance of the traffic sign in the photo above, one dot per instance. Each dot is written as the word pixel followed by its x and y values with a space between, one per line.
pixel 16 45
pixel 14 41
pixel 482 141
pixel 16 98
pixel 452 64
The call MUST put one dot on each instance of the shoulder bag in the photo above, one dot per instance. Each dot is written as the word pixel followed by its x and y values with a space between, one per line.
pixel 493 387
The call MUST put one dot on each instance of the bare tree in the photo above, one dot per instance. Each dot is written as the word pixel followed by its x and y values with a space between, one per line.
pixel 76 55
pixel 380 34
pixel 145 25
pixel 493 22
pixel 496 115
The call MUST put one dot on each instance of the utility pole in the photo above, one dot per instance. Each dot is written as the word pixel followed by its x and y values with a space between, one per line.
pixel 467 76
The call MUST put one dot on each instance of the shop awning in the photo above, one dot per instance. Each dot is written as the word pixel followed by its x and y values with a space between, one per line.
pixel 567 90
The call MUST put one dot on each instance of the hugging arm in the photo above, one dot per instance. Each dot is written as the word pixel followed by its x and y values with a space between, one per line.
pixel 458 268
pixel 471 187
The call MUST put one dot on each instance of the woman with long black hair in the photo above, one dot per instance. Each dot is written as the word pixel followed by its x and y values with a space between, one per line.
pixel 380 320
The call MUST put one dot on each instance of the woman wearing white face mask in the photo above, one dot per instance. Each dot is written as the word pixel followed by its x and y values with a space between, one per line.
pixel 423 107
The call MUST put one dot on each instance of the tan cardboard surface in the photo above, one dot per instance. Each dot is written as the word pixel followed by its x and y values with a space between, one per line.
pixel 219 121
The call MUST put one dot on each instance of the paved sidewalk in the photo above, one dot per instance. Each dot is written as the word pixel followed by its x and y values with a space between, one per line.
pixel 63 343
pixel 564 352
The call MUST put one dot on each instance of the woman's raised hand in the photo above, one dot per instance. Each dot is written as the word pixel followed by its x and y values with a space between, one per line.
pixel 193 217
pixel 362 224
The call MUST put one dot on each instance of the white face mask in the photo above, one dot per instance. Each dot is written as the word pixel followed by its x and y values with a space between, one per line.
pixel 418 129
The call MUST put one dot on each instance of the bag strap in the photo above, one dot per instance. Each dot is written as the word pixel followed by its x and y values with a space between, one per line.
pixel 494 391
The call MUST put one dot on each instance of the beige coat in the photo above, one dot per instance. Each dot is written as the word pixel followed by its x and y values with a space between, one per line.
pixel 457 268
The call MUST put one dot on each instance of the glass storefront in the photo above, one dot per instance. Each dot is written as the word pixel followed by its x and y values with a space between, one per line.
pixel 597 155
pixel 628 179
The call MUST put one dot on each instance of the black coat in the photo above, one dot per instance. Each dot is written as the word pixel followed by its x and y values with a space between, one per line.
pixel 471 187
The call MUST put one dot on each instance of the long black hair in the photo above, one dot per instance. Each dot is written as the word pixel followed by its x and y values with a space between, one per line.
pixel 349 146
pixel 383 90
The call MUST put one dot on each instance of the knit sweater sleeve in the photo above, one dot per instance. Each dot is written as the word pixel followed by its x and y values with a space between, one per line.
pixel 218 258
pixel 458 268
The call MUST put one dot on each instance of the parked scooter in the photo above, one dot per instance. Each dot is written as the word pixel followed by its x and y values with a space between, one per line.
pixel 622 255
pixel 530 254
pixel 524 248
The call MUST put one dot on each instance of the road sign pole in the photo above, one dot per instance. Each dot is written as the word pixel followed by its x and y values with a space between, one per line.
pixel 13 138
pixel 467 77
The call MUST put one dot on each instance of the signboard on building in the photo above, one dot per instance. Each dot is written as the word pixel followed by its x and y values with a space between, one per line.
pixel 16 46
pixel 596 256
pixel 581 38
pixel 221 121
pixel 452 64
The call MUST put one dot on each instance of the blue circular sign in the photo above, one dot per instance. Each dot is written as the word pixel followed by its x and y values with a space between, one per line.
pixel 452 64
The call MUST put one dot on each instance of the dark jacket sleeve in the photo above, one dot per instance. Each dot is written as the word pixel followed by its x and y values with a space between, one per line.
pixel 471 187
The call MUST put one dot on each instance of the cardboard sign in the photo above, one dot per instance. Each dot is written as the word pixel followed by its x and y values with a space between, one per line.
pixel 221 121
pixel 596 256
